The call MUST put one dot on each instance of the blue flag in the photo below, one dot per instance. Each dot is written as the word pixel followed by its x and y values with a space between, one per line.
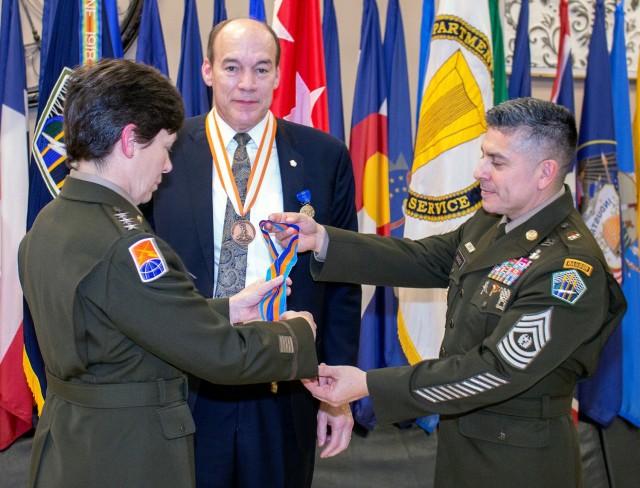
pixel 49 9
pixel 600 397
pixel 219 11
pixel 114 27
pixel 630 327
pixel 151 48
pixel 399 116
pixel 256 10
pixel 520 79
pixel 332 69
pixel 368 148
pixel 63 50
pixel 400 151
pixel 190 82
pixel 426 26
pixel 48 171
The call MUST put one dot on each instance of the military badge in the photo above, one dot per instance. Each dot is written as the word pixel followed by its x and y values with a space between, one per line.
pixel 526 339
pixel 148 259
pixel 579 265
pixel 499 294
pixel 509 271
pixel 535 254
pixel 531 235
pixel 567 286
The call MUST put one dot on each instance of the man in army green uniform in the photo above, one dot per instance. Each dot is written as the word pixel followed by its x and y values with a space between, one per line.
pixel 116 315
pixel 528 311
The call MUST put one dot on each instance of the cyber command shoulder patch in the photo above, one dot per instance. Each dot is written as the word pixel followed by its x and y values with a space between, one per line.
pixel 579 265
pixel 567 286
pixel 148 259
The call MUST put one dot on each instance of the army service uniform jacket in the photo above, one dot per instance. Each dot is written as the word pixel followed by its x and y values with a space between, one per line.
pixel 118 321
pixel 527 317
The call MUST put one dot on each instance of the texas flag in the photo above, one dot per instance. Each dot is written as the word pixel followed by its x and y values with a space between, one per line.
pixel 302 94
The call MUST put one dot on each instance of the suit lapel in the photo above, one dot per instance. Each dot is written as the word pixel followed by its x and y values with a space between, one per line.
pixel 291 167
pixel 200 177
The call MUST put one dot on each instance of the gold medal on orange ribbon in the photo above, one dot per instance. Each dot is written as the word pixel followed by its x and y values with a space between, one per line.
pixel 242 232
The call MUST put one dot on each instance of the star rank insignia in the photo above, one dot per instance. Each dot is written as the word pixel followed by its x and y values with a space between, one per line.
pixel 126 221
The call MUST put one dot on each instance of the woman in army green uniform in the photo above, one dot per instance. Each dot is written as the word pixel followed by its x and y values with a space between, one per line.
pixel 116 315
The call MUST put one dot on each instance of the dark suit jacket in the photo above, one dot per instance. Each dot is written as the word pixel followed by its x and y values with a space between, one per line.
pixel 183 216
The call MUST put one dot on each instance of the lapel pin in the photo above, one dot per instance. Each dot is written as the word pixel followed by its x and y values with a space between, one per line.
pixel 470 247
pixel 293 163
pixel 531 235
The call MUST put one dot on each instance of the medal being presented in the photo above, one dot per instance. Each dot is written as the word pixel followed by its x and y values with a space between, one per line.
pixel 243 232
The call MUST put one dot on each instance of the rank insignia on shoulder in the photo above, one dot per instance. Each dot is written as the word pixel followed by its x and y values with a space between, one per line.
pixel 579 265
pixel 126 221
pixel 567 286
pixel 148 259
pixel 509 271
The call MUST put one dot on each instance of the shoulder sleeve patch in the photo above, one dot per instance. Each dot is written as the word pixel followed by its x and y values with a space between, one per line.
pixel 567 286
pixel 579 265
pixel 148 259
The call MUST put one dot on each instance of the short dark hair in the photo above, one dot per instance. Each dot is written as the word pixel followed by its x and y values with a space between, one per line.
pixel 221 25
pixel 104 97
pixel 542 127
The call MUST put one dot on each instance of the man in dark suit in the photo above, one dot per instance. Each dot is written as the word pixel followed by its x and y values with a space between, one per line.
pixel 263 435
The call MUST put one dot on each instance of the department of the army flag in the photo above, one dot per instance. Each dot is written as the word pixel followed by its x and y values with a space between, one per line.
pixel 443 192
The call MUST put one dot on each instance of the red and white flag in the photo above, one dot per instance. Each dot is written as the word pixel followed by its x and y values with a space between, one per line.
pixel 302 94
pixel 16 402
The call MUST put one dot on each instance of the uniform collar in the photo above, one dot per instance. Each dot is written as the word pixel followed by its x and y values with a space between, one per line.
pixel 99 180
pixel 512 224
